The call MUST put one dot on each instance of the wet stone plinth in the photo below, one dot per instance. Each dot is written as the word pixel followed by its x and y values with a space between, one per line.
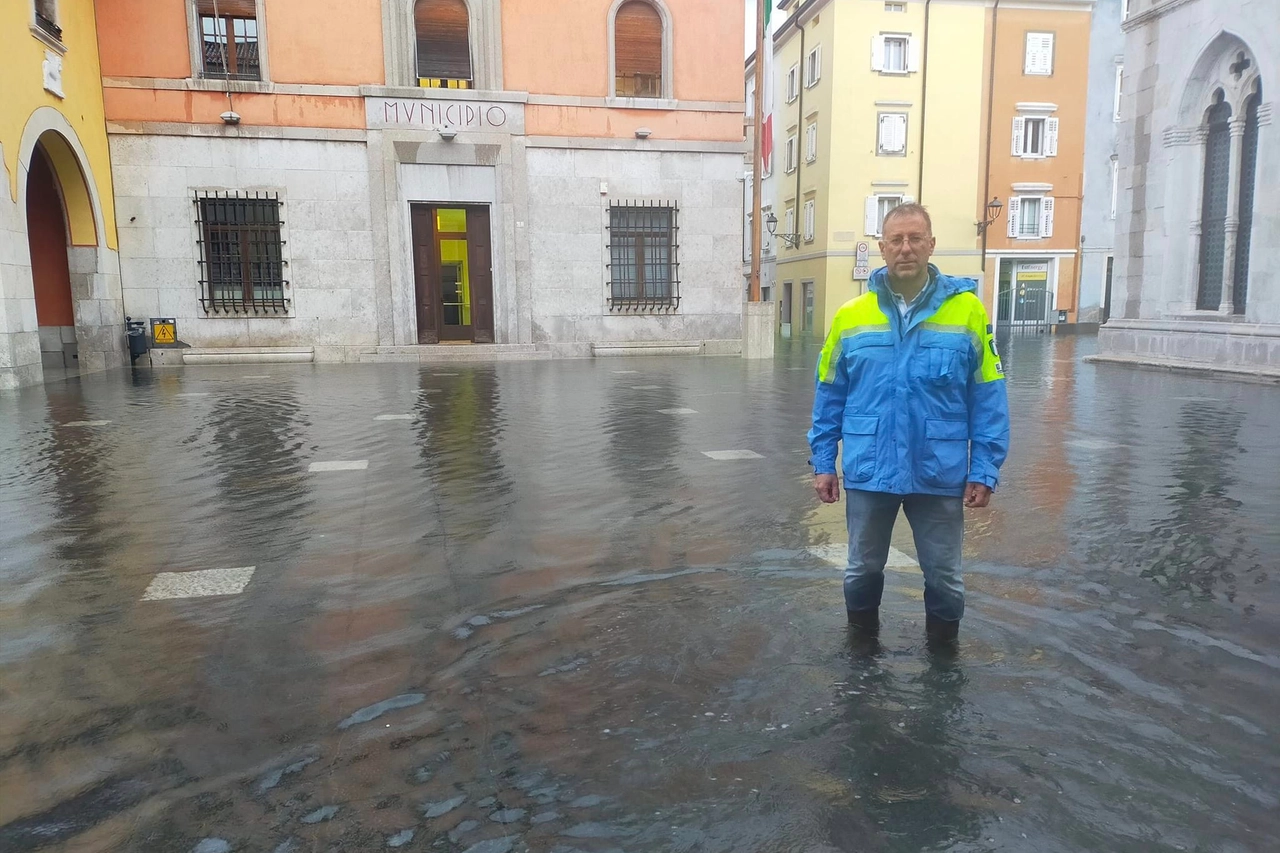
pixel 535 611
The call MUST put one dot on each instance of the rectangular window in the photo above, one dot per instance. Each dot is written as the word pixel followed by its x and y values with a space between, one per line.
pixel 643 269
pixel 1124 9
pixel 229 40
pixel 1119 87
pixel 1035 136
pixel 47 17
pixel 241 254
pixel 751 99
pixel 793 83
pixel 1115 185
pixel 814 72
pixel 810 220
pixel 1031 217
pixel 807 295
pixel 1039 55
pixel 791 154
pixel 811 143
pixel 892 134
pixel 895 55
pixel 878 207
pixel 895 7
pixel 791 222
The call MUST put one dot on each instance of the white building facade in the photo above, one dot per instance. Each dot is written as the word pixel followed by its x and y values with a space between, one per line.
pixel 1197 254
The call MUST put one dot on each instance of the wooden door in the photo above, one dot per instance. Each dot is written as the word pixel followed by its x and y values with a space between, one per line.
pixel 426 272
pixel 480 259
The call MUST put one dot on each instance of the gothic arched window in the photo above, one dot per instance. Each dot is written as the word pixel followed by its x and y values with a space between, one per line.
pixel 1213 216
pixel 1248 174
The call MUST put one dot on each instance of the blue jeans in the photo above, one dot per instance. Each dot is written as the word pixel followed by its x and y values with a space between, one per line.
pixel 938 525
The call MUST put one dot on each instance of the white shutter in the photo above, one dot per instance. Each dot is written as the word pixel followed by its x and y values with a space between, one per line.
pixel 913 54
pixel 1019 135
pixel 1015 205
pixel 1119 90
pixel 791 221
pixel 871 223
pixel 1051 138
pixel 877 53
pixel 901 131
pixel 908 199
pixel 885 135
pixel 1046 216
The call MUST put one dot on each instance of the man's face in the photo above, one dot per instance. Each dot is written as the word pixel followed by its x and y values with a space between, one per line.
pixel 907 245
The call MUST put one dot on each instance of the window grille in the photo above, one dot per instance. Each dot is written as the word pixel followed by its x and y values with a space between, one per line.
pixel 644 270
pixel 241 257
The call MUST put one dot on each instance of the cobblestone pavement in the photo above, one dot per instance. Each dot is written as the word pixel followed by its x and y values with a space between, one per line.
pixel 593 606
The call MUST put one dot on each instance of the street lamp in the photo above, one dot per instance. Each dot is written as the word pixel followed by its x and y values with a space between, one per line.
pixel 993 213
pixel 792 240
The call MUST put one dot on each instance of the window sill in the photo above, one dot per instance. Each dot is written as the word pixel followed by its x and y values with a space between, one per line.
pixel 891 154
pixel 48 40
pixel 885 73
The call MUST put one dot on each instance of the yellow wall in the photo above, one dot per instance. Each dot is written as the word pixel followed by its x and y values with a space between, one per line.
pixel 21 60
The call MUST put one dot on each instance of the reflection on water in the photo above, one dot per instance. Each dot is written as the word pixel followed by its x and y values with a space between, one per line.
pixel 541 601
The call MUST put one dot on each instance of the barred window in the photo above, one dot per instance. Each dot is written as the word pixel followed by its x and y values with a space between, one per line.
pixel 643 267
pixel 241 257
pixel 229 39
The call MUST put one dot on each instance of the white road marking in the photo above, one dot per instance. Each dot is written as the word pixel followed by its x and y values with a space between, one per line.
pixel 320 467
pixel 198 584
pixel 86 423
pixel 395 417
pixel 729 455
pixel 678 411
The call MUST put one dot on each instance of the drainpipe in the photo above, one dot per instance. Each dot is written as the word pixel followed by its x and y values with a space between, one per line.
pixel 924 99
pixel 991 112
pixel 800 127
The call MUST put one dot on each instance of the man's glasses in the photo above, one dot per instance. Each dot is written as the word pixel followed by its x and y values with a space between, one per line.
pixel 917 241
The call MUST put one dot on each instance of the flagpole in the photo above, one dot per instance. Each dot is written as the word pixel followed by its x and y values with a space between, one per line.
pixel 757 228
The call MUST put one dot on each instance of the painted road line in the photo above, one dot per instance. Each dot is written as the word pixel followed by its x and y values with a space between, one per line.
pixel 625 372
pixel 86 423
pixel 395 417
pixel 678 411
pixel 729 455
pixel 198 584
pixel 321 467
pixel 193 394
pixel 646 387
pixel 838 555
pixel 255 377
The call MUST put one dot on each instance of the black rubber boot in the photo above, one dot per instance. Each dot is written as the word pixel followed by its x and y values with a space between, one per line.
pixel 865 621
pixel 941 632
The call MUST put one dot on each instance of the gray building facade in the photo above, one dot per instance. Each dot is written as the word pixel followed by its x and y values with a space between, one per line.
pixel 1198 241
pixel 1101 161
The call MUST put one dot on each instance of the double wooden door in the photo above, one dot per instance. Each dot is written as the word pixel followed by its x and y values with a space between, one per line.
pixel 453 272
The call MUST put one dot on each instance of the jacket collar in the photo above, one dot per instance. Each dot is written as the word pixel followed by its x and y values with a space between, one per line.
pixel 943 287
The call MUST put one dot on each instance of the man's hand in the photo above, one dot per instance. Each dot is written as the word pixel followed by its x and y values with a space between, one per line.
pixel 828 488
pixel 977 496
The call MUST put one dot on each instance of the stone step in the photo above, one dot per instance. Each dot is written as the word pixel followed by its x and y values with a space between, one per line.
pixel 450 353
pixel 247 355
pixel 646 348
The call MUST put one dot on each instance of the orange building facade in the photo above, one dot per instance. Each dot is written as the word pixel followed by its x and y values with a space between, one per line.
pixel 1038 92
pixel 318 180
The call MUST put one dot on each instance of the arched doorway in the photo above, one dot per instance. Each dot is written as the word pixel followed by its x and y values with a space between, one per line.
pixel 48 241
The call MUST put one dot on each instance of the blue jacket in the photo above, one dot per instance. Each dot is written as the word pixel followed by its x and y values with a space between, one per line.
pixel 920 404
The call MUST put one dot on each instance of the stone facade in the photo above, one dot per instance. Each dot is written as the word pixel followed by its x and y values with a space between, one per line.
pixel 1180 59
pixel 327 233
pixel 1101 159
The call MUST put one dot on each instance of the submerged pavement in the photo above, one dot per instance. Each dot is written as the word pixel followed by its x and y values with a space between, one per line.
pixel 594 606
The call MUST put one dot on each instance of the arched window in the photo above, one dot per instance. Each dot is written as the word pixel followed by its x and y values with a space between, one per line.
pixel 1248 173
pixel 637 51
pixel 1213 216
pixel 444 44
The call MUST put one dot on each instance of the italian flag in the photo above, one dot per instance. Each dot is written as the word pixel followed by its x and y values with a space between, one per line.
pixel 767 78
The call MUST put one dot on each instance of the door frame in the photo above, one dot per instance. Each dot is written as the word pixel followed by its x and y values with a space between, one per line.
pixel 428 278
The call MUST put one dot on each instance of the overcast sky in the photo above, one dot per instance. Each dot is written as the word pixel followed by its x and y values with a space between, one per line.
pixel 751 27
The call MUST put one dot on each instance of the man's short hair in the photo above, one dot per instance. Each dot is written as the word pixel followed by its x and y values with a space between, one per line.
pixel 911 209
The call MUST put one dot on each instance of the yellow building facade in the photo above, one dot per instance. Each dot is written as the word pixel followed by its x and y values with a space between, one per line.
pixel 880 103
pixel 60 300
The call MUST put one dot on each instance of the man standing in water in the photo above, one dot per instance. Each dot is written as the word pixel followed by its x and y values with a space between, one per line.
pixel 910 381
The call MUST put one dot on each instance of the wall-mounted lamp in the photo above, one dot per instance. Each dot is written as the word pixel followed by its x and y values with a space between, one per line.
pixel 230 117
pixel 993 213
pixel 448 134
pixel 792 240
pixel 643 133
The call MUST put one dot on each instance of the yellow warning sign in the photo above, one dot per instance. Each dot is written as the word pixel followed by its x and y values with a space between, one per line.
pixel 164 332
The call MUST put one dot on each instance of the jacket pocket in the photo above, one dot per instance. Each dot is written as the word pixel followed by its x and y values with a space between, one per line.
pixel 946 453
pixel 859 447
pixel 940 365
